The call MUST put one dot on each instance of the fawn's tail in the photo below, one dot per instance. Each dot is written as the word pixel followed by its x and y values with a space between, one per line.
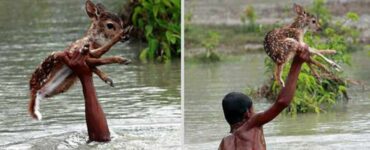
pixel 33 106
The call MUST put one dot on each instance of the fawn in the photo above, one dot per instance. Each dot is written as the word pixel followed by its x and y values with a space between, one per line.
pixel 53 77
pixel 281 44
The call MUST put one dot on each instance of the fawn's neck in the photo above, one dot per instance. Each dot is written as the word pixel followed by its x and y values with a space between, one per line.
pixel 300 25
pixel 97 38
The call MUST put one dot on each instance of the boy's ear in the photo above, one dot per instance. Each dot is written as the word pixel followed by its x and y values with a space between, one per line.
pixel 299 9
pixel 248 114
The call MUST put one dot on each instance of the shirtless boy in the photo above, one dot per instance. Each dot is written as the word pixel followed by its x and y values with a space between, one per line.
pixel 246 126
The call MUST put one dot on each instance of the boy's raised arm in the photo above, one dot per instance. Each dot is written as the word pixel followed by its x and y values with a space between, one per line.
pixel 97 126
pixel 285 96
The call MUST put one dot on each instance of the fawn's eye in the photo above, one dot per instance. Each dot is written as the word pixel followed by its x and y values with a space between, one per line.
pixel 110 26
pixel 313 21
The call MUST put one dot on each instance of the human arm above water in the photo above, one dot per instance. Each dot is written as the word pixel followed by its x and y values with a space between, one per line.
pixel 285 96
pixel 95 118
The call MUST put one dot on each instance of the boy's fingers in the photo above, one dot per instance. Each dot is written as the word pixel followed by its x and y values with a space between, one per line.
pixel 65 59
pixel 75 54
pixel 306 54
pixel 80 56
pixel 59 55
pixel 68 54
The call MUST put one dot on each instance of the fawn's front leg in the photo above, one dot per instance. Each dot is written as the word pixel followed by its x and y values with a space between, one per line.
pixel 326 51
pixel 321 66
pixel 103 76
pixel 317 52
pixel 320 53
pixel 105 48
pixel 108 60
pixel 59 55
pixel 94 62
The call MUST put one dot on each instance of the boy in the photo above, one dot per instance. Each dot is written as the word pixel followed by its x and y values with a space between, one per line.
pixel 246 125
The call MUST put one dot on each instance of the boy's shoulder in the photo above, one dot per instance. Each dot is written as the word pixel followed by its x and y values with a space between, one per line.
pixel 227 141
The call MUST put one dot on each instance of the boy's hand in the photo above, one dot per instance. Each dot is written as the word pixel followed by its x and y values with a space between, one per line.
pixel 76 61
pixel 303 55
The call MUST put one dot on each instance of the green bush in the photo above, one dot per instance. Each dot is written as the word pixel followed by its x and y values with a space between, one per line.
pixel 312 95
pixel 160 21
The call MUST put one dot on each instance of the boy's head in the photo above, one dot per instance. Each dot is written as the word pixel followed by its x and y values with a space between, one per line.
pixel 237 107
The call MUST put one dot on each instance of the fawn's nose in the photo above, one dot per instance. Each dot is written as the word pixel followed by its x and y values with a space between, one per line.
pixel 319 29
pixel 126 32
pixel 125 38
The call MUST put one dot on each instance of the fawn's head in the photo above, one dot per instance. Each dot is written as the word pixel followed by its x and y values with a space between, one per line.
pixel 105 25
pixel 305 20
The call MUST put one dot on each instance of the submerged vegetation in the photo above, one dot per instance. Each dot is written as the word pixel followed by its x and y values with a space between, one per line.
pixel 314 95
pixel 158 22
pixel 248 18
pixel 210 42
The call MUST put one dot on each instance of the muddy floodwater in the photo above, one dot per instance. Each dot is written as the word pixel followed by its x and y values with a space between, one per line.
pixel 143 109
pixel 347 126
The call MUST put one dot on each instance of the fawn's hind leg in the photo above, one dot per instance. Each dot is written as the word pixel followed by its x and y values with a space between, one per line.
pixel 278 74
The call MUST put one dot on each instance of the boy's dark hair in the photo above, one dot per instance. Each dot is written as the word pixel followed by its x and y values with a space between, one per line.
pixel 235 104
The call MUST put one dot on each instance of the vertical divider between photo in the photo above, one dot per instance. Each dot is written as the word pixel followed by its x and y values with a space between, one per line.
pixel 182 74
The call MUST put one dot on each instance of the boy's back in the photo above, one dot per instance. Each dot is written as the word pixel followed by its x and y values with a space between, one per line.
pixel 247 140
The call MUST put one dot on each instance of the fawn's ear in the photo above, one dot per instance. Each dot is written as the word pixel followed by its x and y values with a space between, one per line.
pixel 299 9
pixel 100 7
pixel 92 10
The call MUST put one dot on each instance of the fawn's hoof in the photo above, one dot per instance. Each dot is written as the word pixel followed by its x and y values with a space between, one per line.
pixel 318 78
pixel 121 60
pixel 330 51
pixel 281 82
pixel 336 67
pixel 109 82
pixel 126 61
